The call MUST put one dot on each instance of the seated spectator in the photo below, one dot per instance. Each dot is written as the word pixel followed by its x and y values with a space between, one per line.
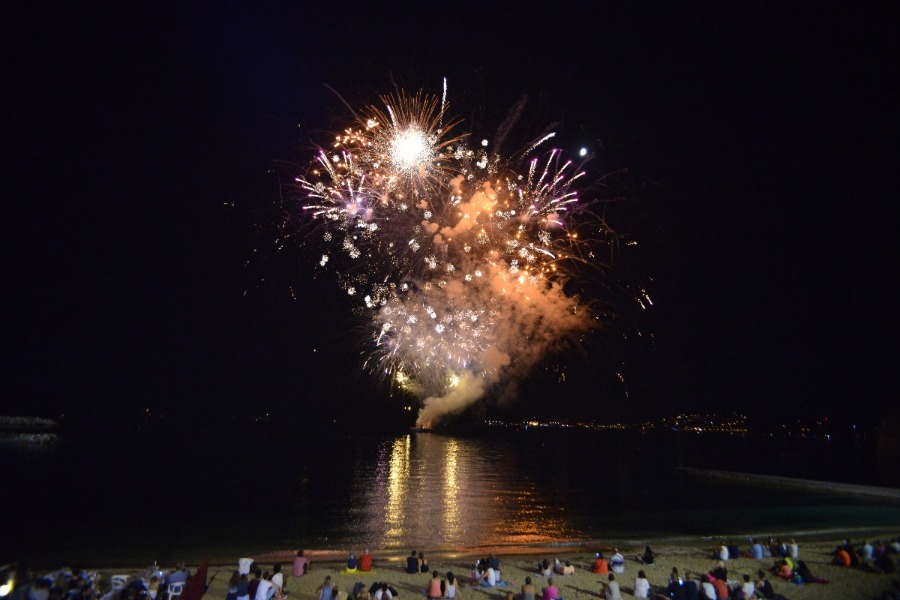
pixel 385 592
pixel 435 589
pixel 611 590
pixel 265 590
pixel 412 563
pixel 756 550
pixel 733 551
pixel 489 578
pixel 365 561
pixel 721 553
pixel 550 591
pixel 232 586
pixel 842 557
pixel 617 562
pixel 764 586
pixel 722 590
pixel 325 591
pixel 641 585
pixel 527 590
pixel 254 585
pixel 360 592
pixel 720 572
pixel 494 562
pixel 301 565
pixel 246 566
pixel 601 567
pixel 784 570
pixel 544 569
pixel 748 588
pixel 451 585
pixel 179 575
pixel 278 579
pixel 647 558
pixel 351 563
pixel 691 586
pixel 242 589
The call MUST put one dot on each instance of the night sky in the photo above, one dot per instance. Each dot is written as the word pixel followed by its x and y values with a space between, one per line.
pixel 145 150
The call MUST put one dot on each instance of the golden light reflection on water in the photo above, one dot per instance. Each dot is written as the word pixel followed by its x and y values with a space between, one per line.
pixel 436 491
pixel 398 483
pixel 451 485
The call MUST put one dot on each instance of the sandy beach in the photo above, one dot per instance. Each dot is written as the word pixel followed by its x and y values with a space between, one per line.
pixel 843 583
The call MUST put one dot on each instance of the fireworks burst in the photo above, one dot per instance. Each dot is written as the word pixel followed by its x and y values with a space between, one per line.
pixel 458 259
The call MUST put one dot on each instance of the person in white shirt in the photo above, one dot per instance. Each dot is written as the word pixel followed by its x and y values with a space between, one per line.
pixel 723 552
pixel 383 593
pixel 611 590
pixel 617 562
pixel 265 590
pixel 278 579
pixel 245 565
pixel 641 585
pixel 749 588
pixel 489 577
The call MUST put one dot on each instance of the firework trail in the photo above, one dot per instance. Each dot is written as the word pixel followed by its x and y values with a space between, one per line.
pixel 458 258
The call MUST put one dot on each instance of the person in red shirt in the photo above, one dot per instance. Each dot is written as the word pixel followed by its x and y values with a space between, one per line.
pixel 722 591
pixel 601 567
pixel 843 557
pixel 365 561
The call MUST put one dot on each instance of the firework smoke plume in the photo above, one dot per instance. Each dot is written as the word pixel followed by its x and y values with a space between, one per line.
pixel 458 255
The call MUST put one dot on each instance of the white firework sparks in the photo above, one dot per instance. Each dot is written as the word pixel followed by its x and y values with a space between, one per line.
pixel 458 257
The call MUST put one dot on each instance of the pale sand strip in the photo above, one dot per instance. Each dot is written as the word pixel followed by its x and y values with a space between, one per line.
pixel 845 584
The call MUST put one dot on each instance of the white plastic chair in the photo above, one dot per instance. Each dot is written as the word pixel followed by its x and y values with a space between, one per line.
pixel 175 590
pixel 117 582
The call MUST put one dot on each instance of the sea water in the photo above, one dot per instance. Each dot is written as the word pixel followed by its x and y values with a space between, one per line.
pixel 132 499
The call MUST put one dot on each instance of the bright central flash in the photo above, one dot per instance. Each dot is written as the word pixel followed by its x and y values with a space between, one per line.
pixel 410 149
pixel 454 380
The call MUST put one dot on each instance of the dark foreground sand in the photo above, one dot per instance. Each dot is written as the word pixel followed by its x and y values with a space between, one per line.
pixel 844 584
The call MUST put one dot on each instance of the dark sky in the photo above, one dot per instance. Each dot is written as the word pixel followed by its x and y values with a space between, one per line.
pixel 145 148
